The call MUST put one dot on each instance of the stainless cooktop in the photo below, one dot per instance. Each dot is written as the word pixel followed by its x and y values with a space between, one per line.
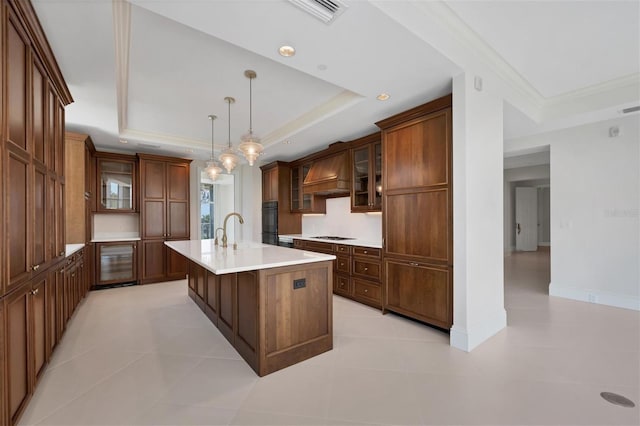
pixel 333 237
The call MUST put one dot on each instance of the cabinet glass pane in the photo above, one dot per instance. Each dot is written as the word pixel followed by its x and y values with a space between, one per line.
pixel 361 177
pixel 116 262
pixel 295 189
pixel 116 180
pixel 377 187
pixel 306 198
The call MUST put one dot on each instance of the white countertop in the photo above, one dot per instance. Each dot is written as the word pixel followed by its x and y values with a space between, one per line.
pixel 353 242
pixel 249 256
pixel 72 248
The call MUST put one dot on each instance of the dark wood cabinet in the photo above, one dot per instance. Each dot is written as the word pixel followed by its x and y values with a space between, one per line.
pixel 418 248
pixel 17 344
pixel 366 173
pixel 276 186
pixel 34 95
pixel 164 215
pixel 357 271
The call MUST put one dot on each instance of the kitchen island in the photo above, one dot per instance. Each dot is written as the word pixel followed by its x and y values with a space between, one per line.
pixel 273 304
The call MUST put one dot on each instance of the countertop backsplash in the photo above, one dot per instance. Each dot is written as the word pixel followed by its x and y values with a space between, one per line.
pixel 341 222
pixel 113 226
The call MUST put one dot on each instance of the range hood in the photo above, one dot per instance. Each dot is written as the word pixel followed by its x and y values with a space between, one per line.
pixel 330 176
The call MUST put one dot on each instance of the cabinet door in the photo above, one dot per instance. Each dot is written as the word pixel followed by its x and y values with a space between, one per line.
pixel 40 331
pixel 376 177
pixel 178 201
pixel 153 260
pixel 17 51
pixel 116 185
pixel 296 189
pixel 419 291
pixel 38 102
pixel 59 218
pixel 226 318
pixel 17 184
pixel 17 318
pixel 361 164
pixel 52 308
pixel 417 153
pixel 39 218
pixel 3 371
pixel 176 265
pixel 211 302
pixel 270 185
pixel 153 180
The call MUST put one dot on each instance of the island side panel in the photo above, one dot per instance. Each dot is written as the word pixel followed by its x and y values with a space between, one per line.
pixel 246 330
pixel 295 323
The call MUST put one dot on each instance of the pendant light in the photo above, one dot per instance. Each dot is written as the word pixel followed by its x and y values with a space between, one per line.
pixel 228 158
pixel 213 169
pixel 250 145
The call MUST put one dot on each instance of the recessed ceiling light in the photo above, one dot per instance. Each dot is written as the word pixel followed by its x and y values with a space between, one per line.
pixel 123 141
pixel 383 96
pixel 286 142
pixel 287 51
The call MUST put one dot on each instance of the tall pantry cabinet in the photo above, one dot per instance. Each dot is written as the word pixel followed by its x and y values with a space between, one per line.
pixel 418 213
pixel 164 216
pixel 32 183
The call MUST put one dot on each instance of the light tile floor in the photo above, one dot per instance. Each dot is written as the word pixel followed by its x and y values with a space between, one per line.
pixel 146 355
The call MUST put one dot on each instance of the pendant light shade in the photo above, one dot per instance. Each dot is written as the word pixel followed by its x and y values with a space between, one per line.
pixel 228 158
pixel 250 145
pixel 213 169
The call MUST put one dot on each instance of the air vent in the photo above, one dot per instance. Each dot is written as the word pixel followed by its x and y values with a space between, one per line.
pixel 631 109
pixel 325 10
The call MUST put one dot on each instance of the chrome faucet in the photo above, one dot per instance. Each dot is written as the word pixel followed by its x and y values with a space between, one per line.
pixel 215 241
pixel 224 226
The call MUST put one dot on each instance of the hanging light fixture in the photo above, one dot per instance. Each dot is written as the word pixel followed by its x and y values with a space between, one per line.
pixel 228 158
pixel 213 169
pixel 250 145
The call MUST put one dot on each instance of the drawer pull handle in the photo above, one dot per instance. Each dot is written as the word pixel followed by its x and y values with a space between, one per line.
pixel 62 253
pixel 414 264
pixel 366 269
pixel 365 252
pixel 366 290
pixel 36 291
pixel 35 267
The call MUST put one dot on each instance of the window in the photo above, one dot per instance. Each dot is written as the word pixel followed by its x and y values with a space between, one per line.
pixel 206 211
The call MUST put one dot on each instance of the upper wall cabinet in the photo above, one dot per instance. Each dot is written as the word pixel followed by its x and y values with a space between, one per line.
pixel 116 178
pixel 366 184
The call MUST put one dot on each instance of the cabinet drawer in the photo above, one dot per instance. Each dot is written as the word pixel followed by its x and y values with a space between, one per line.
pixel 342 264
pixel 366 269
pixel 342 285
pixel 366 252
pixel 299 244
pixel 368 291
pixel 343 249
pixel 318 247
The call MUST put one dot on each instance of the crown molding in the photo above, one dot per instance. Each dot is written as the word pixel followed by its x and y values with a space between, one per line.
pixel 122 39
pixel 630 82
pixel 338 103
pixel 167 141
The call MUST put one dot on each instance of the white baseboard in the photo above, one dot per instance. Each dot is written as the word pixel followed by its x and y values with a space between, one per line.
pixel 595 296
pixel 467 339
pixel 545 244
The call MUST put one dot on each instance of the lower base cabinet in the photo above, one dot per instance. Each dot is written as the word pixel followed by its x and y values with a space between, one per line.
pixel 420 291
pixel 159 263
pixel 34 316
pixel 268 322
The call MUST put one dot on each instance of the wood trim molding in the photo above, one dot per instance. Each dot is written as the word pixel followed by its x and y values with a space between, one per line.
pixel 163 158
pixel 25 10
pixel 417 112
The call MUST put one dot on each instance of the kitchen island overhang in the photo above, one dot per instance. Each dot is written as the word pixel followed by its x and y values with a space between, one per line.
pixel 273 304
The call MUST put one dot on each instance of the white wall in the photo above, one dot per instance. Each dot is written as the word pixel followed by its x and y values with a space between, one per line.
pixel 341 222
pixel 478 271
pixel 594 213
pixel 115 225
pixel 249 202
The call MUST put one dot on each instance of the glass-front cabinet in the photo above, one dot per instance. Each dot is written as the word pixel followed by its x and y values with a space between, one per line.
pixel 366 186
pixel 116 184
pixel 301 202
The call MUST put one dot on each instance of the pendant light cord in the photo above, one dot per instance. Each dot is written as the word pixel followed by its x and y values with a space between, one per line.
pixel 229 113
pixel 212 120
pixel 250 106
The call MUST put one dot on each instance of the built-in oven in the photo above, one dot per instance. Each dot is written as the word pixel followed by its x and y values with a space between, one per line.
pixel 285 242
pixel 116 263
